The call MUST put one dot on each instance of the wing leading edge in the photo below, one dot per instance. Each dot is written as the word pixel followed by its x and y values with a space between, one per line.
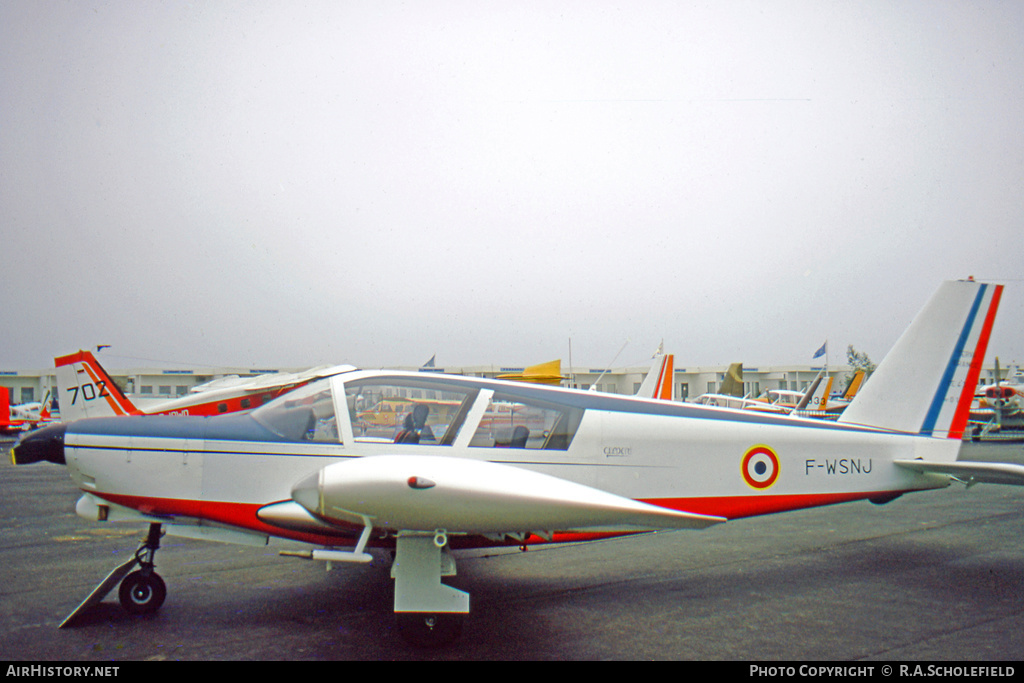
pixel 473 496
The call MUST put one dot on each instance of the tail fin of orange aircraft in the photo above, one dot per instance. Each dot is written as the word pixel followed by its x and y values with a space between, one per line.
pixel 854 386
pixel 86 390
pixel 658 382
pixel 926 383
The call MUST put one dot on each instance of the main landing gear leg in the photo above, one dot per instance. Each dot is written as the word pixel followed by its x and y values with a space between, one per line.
pixel 428 612
pixel 141 591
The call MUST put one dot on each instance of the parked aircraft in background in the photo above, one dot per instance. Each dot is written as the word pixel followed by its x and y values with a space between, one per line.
pixel 778 401
pixel 732 383
pixel 86 390
pixel 811 402
pixel 544 373
pixel 730 393
pixel 25 416
pixel 999 407
pixel 659 382
pixel 592 465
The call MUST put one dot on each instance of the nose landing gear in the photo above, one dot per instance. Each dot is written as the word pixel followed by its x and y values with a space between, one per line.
pixel 141 592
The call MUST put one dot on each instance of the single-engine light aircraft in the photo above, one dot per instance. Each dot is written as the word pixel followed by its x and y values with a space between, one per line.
pixel 508 463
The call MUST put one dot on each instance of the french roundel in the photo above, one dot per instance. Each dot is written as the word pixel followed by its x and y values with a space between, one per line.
pixel 760 467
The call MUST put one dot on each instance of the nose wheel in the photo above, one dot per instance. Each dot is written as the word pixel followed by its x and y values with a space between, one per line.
pixel 142 591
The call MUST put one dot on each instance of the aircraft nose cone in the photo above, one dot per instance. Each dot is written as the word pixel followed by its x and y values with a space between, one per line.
pixel 307 493
pixel 42 445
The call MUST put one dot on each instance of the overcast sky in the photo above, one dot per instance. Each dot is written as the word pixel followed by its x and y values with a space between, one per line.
pixel 296 183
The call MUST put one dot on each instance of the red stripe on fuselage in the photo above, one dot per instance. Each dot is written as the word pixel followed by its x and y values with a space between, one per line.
pixel 737 507
pixel 238 515
pixel 243 516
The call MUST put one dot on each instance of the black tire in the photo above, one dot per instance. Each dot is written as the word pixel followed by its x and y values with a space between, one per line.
pixel 424 629
pixel 142 593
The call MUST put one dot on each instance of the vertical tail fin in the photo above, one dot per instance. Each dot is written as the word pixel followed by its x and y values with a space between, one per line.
pixel 732 384
pixel 926 383
pixel 5 406
pixel 854 386
pixel 659 380
pixel 45 411
pixel 86 390
pixel 816 396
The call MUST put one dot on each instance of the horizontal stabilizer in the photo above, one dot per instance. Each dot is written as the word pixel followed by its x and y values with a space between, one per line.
pixel 473 496
pixel 970 472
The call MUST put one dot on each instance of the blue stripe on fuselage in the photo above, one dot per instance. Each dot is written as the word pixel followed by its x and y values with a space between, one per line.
pixel 220 427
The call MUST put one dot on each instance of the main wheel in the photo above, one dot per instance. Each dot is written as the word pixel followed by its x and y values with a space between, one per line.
pixel 425 629
pixel 142 592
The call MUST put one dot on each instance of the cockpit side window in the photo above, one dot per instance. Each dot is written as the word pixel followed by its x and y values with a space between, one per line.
pixel 407 411
pixel 304 414
pixel 515 422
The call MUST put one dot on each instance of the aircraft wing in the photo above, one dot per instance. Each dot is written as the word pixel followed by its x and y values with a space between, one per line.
pixel 970 472
pixel 473 496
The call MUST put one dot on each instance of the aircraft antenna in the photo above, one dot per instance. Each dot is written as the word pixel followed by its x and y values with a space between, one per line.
pixel 592 386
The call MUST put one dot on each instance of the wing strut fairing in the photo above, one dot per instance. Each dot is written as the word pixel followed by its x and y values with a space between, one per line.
pixel 472 496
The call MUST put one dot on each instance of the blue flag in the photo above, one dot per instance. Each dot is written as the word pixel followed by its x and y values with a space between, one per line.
pixel 821 352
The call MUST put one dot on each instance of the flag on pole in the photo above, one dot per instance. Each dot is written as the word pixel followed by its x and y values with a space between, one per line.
pixel 821 352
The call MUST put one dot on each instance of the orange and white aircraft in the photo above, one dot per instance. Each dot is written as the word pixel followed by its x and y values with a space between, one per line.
pixel 86 390
pixel 592 465
pixel 658 383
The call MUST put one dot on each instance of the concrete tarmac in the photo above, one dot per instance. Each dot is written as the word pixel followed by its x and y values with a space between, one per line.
pixel 931 576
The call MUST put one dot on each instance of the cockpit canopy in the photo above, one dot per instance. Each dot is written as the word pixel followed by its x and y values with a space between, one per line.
pixel 425 411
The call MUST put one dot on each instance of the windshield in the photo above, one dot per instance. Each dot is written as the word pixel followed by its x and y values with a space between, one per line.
pixel 407 410
pixel 303 414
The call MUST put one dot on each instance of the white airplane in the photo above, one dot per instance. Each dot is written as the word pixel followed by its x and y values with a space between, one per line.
pixel 730 394
pixel 999 407
pixel 810 402
pixel 24 416
pixel 590 465
pixel 86 390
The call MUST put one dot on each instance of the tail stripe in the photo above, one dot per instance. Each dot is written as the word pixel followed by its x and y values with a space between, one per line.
pixel 963 408
pixel 947 377
pixel 664 389
pixel 111 400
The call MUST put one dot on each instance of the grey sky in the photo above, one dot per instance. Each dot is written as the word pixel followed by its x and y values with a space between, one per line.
pixel 290 184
